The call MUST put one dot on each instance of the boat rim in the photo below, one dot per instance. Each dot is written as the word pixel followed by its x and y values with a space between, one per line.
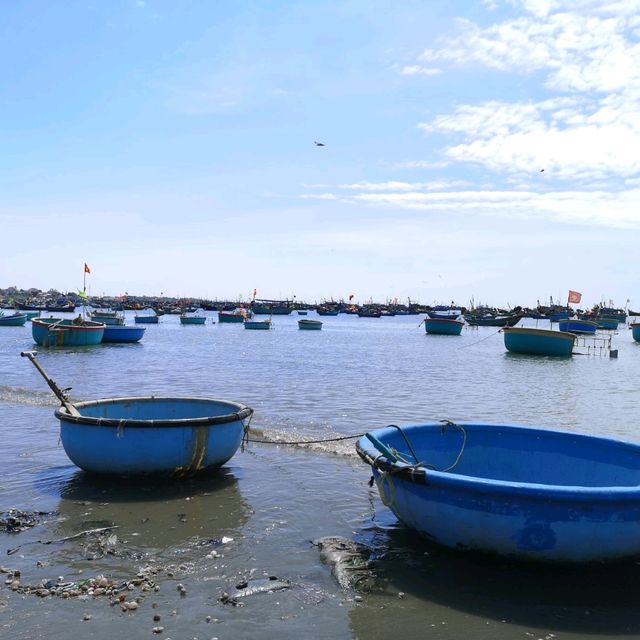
pixel 242 412
pixel 422 475
pixel 567 335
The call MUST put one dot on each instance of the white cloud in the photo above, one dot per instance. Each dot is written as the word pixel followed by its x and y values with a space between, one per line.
pixel 417 70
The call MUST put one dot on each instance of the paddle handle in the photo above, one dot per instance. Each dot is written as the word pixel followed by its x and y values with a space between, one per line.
pixel 60 394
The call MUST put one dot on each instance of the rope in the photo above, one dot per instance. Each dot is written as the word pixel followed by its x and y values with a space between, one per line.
pixel 305 441
pixel 464 346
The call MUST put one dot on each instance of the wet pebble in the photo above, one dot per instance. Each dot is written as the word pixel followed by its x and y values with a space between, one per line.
pixel 158 629
pixel 87 616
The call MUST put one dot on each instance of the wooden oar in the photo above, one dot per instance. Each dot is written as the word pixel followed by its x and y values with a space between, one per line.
pixel 61 395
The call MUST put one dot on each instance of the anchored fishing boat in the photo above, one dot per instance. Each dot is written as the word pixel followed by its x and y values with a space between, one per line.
pixel 531 493
pixel 151 318
pixel 541 342
pixel 310 325
pixel 192 319
pixel 257 324
pixel 13 320
pixel 171 436
pixel 575 325
pixel 635 330
pixel 443 326
pixel 58 332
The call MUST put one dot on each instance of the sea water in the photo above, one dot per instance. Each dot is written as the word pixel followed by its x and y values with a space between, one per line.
pixel 258 517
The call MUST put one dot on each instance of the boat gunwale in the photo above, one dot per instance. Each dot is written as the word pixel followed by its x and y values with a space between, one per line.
pixel 532 331
pixel 419 474
pixel 243 411
pixel 88 325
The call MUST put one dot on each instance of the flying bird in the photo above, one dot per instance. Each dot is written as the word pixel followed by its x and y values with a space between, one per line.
pixel 318 144
pixel 541 170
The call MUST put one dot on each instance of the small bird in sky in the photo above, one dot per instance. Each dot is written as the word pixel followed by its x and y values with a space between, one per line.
pixel 541 170
pixel 318 144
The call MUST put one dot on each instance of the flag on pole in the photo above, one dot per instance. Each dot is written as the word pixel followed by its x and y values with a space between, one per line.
pixel 82 294
pixel 86 268
pixel 574 297
pixel 350 297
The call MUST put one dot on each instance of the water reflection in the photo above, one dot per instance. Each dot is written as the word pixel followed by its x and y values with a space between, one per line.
pixel 450 589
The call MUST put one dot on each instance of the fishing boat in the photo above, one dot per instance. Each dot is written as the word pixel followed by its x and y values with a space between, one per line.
pixel 443 326
pixel 302 312
pixel 13 320
pixel 272 307
pixel 490 320
pixel 122 333
pixel 635 330
pixel 257 324
pixel 107 317
pixel 324 310
pixel 448 314
pixel 530 493
pixel 369 312
pixel 609 323
pixel 543 342
pixel 58 332
pixel 237 316
pixel 192 319
pixel 151 318
pixel 310 325
pixel 575 325
pixel 148 435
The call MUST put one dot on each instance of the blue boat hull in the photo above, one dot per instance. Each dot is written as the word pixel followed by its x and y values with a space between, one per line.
pixel 541 342
pixel 146 319
pixel 54 332
pixel 608 323
pixel 122 333
pixel 533 494
pixel 578 326
pixel 635 331
pixel 152 435
pixel 257 324
pixel 443 326
pixel 13 320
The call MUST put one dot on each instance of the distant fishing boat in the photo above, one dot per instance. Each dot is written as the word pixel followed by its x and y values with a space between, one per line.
pixel 575 325
pixel 544 342
pixel 123 333
pixel 58 332
pixel 257 324
pixel 195 319
pixel 237 316
pixel 13 320
pixel 369 312
pixel 302 313
pixel 610 323
pixel 107 317
pixel 448 314
pixel 272 307
pixel 310 325
pixel 324 310
pixel 443 326
pixel 148 435
pixel 490 320
pixel 151 318
pixel 523 492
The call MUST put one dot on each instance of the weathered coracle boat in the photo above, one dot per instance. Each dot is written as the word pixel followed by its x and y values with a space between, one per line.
pixel 310 325
pixel 123 333
pixel 195 319
pixel 149 435
pixel 575 325
pixel 13 320
pixel 257 324
pixel 530 493
pixel 635 330
pixel 542 342
pixel 146 319
pixel 58 332
pixel 448 314
pixel 443 326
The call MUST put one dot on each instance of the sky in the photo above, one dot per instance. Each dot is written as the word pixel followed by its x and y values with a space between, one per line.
pixel 484 152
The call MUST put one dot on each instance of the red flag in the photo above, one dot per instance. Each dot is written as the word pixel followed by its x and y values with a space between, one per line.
pixel 86 268
pixel 574 297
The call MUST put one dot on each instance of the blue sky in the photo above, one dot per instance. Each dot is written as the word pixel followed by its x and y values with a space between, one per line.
pixel 170 145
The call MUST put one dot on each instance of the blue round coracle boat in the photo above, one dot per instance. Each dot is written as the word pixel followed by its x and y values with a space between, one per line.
pixel 635 330
pixel 57 332
pixel 443 326
pixel 530 493
pixel 123 333
pixel 152 435
pixel 540 342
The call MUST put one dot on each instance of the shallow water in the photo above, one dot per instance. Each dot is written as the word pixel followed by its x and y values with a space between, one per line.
pixel 259 515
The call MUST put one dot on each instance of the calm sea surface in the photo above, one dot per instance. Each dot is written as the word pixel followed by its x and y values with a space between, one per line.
pixel 259 515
